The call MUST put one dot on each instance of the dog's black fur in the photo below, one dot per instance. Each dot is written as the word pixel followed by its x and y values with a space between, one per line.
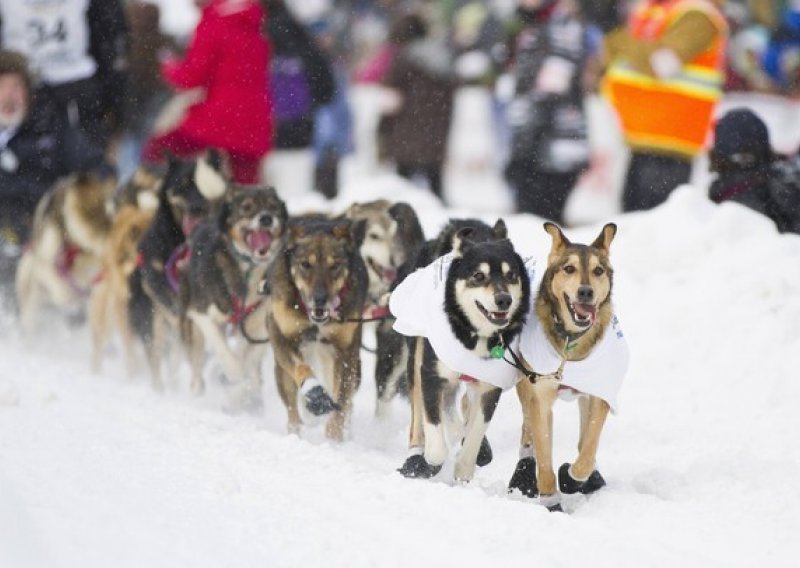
pixel 180 205
pixel 449 238
pixel 220 285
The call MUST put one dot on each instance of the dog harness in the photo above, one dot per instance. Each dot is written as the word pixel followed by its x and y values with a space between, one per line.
pixel 418 305
pixel 600 374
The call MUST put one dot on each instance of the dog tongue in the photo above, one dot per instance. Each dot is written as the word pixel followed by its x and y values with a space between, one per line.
pixel 259 240
pixel 389 274
pixel 188 224
pixel 585 310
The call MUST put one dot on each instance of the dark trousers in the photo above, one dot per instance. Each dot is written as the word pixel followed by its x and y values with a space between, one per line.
pixel 431 172
pixel 651 178
pixel 543 194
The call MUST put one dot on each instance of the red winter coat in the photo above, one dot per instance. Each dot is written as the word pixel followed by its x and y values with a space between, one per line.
pixel 228 56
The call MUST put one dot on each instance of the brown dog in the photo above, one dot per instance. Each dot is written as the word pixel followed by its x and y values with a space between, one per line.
pixel 572 346
pixel 317 289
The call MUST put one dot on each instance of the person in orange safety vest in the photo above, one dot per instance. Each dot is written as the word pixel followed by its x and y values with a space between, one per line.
pixel 664 79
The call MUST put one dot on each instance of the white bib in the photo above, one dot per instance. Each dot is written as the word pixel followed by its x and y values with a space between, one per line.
pixel 600 374
pixel 52 34
pixel 418 305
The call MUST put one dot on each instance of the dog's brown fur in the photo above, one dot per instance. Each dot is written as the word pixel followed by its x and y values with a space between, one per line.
pixel 112 292
pixel 569 267
pixel 320 263
pixel 72 220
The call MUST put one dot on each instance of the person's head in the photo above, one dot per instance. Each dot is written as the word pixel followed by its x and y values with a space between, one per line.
pixel 15 88
pixel 741 142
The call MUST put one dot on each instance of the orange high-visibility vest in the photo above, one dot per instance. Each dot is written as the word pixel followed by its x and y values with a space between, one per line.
pixel 671 115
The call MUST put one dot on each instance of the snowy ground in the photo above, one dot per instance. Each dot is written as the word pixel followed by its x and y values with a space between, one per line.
pixel 99 471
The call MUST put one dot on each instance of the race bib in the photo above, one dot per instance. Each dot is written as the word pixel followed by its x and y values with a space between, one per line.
pixel 53 34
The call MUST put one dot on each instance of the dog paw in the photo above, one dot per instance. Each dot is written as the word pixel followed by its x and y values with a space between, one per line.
pixel 416 467
pixel 317 401
pixel 569 485
pixel 485 454
pixel 524 478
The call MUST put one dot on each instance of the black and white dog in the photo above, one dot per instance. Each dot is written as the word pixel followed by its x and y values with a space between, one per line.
pixel 462 311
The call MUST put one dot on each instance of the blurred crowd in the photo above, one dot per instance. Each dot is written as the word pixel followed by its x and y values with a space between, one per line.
pixel 96 85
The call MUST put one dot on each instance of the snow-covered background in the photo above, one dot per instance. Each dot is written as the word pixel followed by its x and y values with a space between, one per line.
pixel 100 471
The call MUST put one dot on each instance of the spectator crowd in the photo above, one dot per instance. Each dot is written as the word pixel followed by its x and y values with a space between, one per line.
pixel 96 85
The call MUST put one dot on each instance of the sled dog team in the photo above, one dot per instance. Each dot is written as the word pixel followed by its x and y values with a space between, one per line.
pixel 184 260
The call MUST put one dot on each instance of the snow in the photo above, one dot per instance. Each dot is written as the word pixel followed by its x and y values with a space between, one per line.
pixel 102 471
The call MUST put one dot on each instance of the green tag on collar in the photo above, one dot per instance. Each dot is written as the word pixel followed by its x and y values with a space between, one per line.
pixel 497 352
pixel 570 346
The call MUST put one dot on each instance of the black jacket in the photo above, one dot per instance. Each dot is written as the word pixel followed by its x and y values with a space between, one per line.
pixel 43 149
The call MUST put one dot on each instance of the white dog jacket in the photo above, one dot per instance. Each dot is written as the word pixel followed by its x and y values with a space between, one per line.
pixel 600 374
pixel 418 305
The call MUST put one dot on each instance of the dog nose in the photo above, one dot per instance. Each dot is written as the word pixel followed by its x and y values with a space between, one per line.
pixel 320 299
pixel 503 301
pixel 265 220
pixel 585 294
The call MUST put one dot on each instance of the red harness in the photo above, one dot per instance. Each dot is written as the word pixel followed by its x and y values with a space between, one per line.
pixel 65 263
pixel 241 311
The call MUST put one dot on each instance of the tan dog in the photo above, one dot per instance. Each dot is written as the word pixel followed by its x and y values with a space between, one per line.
pixel 574 338
pixel 70 228
pixel 112 291
pixel 392 235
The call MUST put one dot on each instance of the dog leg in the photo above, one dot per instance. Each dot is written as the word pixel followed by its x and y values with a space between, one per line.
pixel 156 346
pixel 391 356
pixel 122 317
pixel 432 398
pixel 231 365
pixel 347 376
pixel 287 389
pixel 541 420
pixel 415 464
pixel 195 347
pixel 98 322
pixel 483 399
pixel 524 477
pixel 582 475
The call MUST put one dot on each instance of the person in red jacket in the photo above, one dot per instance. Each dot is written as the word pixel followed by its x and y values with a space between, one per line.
pixel 228 58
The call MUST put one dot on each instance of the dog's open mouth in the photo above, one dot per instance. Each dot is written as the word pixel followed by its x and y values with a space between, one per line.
pixel 582 314
pixel 499 318
pixel 384 273
pixel 326 313
pixel 319 315
pixel 188 223
pixel 258 241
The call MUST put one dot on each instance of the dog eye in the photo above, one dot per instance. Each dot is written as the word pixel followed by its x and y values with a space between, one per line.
pixel 511 275
pixel 569 269
pixel 598 271
pixel 246 207
pixel 479 277
pixel 305 265
pixel 375 236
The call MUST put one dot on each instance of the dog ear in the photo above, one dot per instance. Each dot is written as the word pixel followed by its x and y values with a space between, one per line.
pixel 462 242
pixel 560 242
pixel 500 231
pixel 209 181
pixel 224 216
pixel 358 231
pixel 603 240
pixel 341 230
pixel 407 223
